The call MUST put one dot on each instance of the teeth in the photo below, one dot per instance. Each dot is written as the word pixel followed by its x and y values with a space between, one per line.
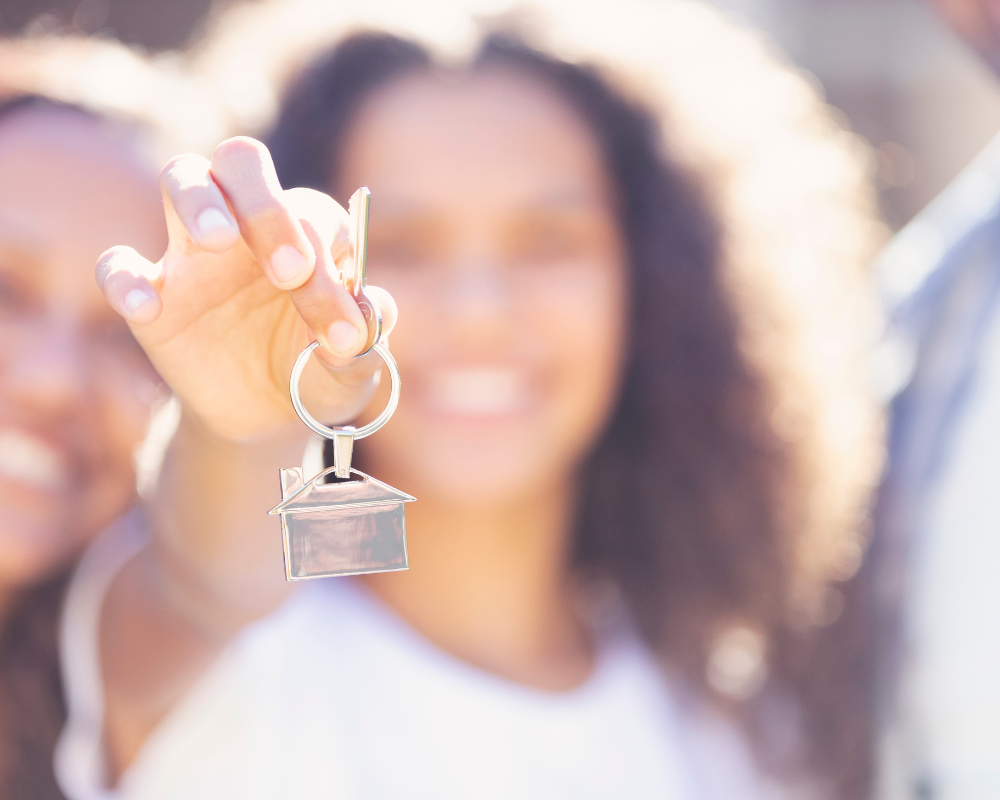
pixel 486 391
pixel 29 460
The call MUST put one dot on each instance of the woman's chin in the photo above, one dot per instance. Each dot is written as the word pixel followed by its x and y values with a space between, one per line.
pixel 479 422
pixel 40 530
pixel 471 459
pixel 30 551
pixel 480 477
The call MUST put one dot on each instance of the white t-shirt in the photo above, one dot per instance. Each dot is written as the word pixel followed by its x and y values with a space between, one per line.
pixel 333 696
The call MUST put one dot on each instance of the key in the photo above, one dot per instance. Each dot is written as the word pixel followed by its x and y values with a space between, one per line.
pixel 357 278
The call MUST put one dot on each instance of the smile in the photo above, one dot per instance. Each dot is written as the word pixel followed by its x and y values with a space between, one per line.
pixel 29 460
pixel 479 392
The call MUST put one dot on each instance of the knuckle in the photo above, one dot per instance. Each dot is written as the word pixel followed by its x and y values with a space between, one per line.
pixel 167 175
pixel 318 208
pixel 118 255
pixel 240 155
pixel 183 170
pixel 101 270
pixel 243 169
pixel 320 212
pixel 236 145
pixel 266 215
pixel 118 250
pixel 311 199
pixel 112 260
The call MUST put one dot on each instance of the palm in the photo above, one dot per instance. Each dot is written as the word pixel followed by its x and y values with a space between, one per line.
pixel 223 318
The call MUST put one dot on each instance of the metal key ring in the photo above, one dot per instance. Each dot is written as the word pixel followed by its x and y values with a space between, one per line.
pixel 331 433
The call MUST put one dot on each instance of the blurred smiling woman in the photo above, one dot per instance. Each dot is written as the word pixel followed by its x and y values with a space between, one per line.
pixel 628 264
pixel 76 391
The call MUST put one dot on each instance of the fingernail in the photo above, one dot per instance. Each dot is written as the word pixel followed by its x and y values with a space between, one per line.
pixel 211 219
pixel 286 263
pixel 343 337
pixel 135 299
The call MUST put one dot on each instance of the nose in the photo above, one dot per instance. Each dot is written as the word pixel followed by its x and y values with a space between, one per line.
pixel 477 302
pixel 478 289
pixel 46 371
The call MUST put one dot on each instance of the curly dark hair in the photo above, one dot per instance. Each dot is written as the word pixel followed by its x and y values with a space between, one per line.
pixel 693 501
pixel 32 706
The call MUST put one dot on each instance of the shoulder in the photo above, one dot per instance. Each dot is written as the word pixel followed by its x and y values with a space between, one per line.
pixel 941 269
pixel 943 237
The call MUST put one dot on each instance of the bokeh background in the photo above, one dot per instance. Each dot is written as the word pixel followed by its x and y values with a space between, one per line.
pixel 900 78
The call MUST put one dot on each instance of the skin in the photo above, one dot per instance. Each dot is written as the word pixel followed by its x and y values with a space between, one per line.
pixel 978 22
pixel 493 226
pixel 493 223
pixel 75 388
pixel 223 323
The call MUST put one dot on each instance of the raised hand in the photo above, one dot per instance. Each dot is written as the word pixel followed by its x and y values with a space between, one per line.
pixel 251 275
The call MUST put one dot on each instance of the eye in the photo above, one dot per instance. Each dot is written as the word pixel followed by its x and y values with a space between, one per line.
pixel 547 242
pixel 407 241
pixel 410 249
pixel 14 300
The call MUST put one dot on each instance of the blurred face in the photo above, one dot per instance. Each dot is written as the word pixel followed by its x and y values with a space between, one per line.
pixel 75 389
pixel 493 225
pixel 978 22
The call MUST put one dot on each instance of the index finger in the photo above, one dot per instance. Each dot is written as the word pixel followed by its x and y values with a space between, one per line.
pixel 243 169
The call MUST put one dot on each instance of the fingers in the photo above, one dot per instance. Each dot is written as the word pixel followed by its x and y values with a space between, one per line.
pixel 127 281
pixel 324 223
pixel 322 301
pixel 386 305
pixel 298 237
pixel 196 210
pixel 243 169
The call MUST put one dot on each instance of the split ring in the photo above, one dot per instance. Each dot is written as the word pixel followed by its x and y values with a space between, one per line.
pixel 332 433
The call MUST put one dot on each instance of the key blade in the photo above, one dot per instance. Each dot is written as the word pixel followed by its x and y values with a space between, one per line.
pixel 358 208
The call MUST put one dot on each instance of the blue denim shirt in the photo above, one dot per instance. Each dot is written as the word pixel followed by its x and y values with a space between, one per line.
pixel 940 279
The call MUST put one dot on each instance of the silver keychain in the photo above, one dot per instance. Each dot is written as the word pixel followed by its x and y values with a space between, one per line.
pixel 357 525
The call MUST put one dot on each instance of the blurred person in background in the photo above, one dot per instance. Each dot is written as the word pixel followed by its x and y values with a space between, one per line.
pixel 939 517
pixel 629 266
pixel 76 391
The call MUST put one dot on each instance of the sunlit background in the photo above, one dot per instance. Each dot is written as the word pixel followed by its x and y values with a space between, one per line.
pixel 899 76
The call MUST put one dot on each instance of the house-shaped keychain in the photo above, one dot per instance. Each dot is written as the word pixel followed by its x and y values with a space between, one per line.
pixel 348 526
pixel 344 528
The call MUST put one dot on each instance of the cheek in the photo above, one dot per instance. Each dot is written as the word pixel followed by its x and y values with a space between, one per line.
pixel 587 324
pixel 34 541
pixel 973 19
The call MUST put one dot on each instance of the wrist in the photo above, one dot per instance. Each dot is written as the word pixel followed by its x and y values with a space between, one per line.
pixel 274 446
pixel 214 546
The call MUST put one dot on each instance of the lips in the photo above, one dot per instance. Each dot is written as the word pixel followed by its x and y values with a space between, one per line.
pixel 29 460
pixel 478 391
